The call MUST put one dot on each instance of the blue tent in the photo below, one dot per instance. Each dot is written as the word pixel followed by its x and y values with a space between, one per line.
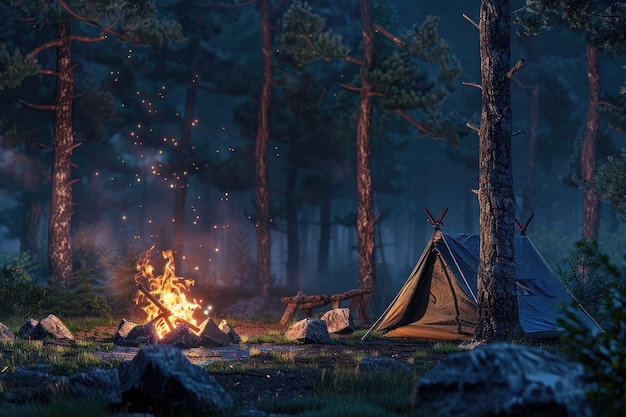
pixel 438 300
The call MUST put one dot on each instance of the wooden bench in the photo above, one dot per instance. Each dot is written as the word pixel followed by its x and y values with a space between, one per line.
pixel 306 303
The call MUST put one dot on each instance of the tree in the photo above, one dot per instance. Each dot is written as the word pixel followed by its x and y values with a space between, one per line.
pixel 140 25
pixel 395 78
pixel 497 299
pixel 601 23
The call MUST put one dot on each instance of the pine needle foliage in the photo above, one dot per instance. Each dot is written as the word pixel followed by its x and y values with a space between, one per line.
pixel 20 295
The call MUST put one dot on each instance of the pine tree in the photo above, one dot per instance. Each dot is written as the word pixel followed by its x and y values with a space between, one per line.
pixel 496 299
pixel 139 23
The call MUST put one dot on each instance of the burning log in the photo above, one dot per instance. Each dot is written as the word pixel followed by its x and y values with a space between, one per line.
pixel 166 314
pixel 307 303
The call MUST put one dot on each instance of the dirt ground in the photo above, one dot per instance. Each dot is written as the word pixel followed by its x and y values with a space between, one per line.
pixel 264 371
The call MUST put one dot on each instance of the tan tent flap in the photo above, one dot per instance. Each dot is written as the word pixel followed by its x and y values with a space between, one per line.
pixel 415 331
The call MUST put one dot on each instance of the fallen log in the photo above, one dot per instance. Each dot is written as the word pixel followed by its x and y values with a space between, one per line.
pixel 307 303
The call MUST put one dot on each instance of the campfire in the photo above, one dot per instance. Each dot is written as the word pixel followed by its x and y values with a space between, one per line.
pixel 164 297
pixel 169 311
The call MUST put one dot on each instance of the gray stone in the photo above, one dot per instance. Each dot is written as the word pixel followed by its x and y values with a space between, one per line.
pixel 309 330
pixel 504 379
pixel 232 335
pixel 339 320
pixel 98 384
pixel 212 336
pixel 6 335
pixel 181 337
pixel 123 330
pixel 27 329
pixel 160 377
pixel 382 364
pixel 51 327
pixel 138 335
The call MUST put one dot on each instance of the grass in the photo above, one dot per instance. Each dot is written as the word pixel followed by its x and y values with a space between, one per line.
pixel 338 389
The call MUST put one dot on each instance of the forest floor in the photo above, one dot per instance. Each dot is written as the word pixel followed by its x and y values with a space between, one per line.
pixel 256 372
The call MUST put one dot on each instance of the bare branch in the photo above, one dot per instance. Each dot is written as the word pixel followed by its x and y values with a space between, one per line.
pixel 47 72
pixel 517 132
pixel 50 44
pixel 515 68
pixel 472 127
pixel 354 60
pixel 607 104
pixel 38 106
pixel 471 84
pixel 350 87
pixel 389 36
pixel 469 19
pixel 417 125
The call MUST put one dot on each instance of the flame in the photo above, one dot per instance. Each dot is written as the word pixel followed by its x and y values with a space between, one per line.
pixel 167 304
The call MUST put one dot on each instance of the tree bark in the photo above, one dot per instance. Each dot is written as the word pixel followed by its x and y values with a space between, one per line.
pixel 497 301
pixel 365 210
pixel 59 223
pixel 261 157
pixel 180 198
pixel 588 151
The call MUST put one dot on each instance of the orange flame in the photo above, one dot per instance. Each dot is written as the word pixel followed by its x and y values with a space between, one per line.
pixel 165 294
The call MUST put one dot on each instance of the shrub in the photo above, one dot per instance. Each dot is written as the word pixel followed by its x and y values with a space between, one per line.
pixel 602 354
pixel 20 295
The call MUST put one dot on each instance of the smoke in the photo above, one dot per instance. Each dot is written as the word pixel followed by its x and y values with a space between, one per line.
pixel 20 169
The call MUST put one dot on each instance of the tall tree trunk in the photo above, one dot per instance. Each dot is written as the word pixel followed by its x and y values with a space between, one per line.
pixel 588 152
pixel 262 189
pixel 365 209
pixel 293 242
pixel 59 223
pixel 180 197
pixel 496 298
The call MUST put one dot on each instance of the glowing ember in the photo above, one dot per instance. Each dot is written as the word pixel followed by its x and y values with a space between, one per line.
pixel 167 305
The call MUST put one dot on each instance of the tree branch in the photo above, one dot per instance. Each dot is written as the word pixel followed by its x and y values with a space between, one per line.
pixel 72 13
pixel 38 106
pixel 350 87
pixel 469 19
pixel 472 127
pixel 607 104
pixel 47 72
pixel 417 125
pixel 471 84
pixel 389 36
pixel 515 68
pixel 43 47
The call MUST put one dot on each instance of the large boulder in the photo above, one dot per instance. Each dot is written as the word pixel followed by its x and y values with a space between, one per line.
pixel 6 335
pixel 504 380
pixel 339 320
pixel 51 327
pixel 160 377
pixel 310 330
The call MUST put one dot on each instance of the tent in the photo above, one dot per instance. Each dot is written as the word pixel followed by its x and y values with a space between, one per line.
pixel 438 300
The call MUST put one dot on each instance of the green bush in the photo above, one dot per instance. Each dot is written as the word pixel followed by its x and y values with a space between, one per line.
pixel 602 354
pixel 20 295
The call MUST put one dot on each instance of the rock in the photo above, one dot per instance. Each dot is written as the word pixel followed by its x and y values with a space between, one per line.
pixel 123 330
pixel 504 379
pixel 211 335
pixel 232 335
pixel 381 364
pixel 338 320
pixel 98 384
pixel 161 378
pixel 27 329
pixel 181 337
pixel 309 330
pixel 138 335
pixel 52 327
pixel 6 335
